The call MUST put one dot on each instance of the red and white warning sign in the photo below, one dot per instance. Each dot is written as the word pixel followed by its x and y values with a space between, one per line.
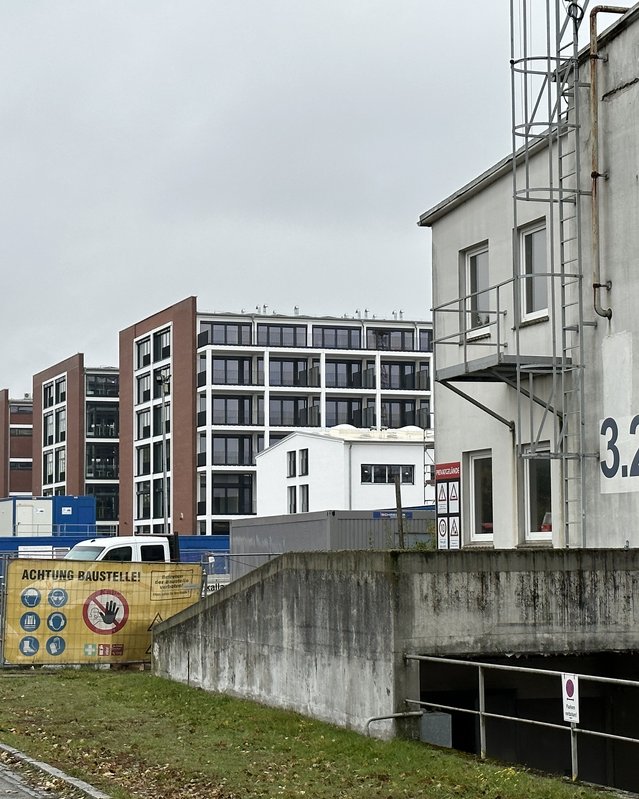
pixel 442 499
pixel 447 491
pixel 105 612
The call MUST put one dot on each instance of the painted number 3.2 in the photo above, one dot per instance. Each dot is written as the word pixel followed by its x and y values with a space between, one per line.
pixel 610 429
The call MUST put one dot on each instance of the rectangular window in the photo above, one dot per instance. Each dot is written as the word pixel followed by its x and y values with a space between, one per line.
pixel 143 424
pixel 60 389
pixel 25 432
pixel 290 464
pixel 102 420
pixel 477 283
pixel 143 458
pixel 292 499
pixel 288 372
pixel 303 457
pixel 20 466
pixel 161 382
pixel 162 345
pixel 47 392
pixel 343 374
pixel 47 467
pixel 232 410
pixel 398 375
pixel 398 413
pixel 61 425
pixel 143 353
pixel 161 413
pixel 387 473
pixel 384 339
pixel 158 456
pixel 143 500
pixel 481 496
pixel 60 465
pixel 143 388
pixel 232 494
pixel 232 371
pixel 343 338
pixel 303 499
pixel 281 335
pixel 537 499
pixel 232 451
pixel 294 412
pixel 224 333
pixel 425 340
pixel 47 437
pixel 102 385
pixel 102 461
pixel 534 268
pixel 344 411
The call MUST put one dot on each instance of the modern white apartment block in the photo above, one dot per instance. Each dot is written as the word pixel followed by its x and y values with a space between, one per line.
pixel 346 468
pixel 212 390
pixel 535 303
pixel 76 435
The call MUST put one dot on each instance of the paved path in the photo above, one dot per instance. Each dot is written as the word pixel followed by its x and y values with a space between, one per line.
pixel 12 786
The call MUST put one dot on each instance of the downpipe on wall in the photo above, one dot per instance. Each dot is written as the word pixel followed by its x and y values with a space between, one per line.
pixel 595 174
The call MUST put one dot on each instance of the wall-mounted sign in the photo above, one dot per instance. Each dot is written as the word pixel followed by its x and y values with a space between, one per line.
pixel 447 492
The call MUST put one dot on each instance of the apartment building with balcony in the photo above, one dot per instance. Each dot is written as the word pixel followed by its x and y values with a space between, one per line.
pixel 76 435
pixel 16 434
pixel 203 393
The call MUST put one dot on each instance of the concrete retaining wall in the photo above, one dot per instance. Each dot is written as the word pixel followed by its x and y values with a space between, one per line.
pixel 325 633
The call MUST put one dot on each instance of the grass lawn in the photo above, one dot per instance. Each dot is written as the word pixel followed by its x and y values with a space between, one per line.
pixel 135 735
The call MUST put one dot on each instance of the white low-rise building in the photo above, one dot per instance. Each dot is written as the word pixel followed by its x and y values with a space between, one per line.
pixel 345 468
pixel 535 292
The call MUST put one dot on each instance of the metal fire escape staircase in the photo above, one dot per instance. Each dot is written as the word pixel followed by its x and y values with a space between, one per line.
pixel 547 90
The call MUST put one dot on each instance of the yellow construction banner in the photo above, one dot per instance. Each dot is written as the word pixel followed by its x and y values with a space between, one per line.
pixel 64 612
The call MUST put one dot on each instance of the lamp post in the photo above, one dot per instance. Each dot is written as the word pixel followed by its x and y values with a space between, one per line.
pixel 163 379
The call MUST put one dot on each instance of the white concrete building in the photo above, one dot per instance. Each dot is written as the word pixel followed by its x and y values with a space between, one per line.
pixel 535 293
pixel 345 468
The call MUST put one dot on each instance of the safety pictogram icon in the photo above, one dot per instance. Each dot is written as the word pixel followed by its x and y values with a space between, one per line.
pixel 105 612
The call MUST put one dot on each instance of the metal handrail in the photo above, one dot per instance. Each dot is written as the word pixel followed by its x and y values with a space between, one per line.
pixel 483 714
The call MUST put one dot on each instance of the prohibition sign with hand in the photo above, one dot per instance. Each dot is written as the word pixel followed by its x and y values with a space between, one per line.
pixel 105 612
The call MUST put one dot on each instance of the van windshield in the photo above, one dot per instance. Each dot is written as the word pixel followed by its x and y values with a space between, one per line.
pixel 79 552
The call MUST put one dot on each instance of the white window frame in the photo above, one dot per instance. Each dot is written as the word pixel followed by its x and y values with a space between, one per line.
pixel 473 459
pixel 481 325
pixel 526 277
pixel 530 534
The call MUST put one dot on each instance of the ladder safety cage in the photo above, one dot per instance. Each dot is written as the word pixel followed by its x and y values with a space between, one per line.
pixel 546 95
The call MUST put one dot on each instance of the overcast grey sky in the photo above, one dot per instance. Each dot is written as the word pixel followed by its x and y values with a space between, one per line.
pixel 249 153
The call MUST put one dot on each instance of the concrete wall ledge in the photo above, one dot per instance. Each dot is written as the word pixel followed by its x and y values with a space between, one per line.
pixel 325 633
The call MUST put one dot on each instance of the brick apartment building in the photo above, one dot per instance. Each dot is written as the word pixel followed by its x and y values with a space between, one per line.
pixel 202 393
pixel 16 436
pixel 75 435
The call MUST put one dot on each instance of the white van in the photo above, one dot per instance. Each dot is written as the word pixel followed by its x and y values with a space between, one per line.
pixel 127 549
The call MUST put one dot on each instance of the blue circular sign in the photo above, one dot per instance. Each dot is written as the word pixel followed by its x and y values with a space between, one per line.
pixel 58 597
pixel 29 646
pixel 56 622
pixel 29 621
pixel 30 597
pixel 56 645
